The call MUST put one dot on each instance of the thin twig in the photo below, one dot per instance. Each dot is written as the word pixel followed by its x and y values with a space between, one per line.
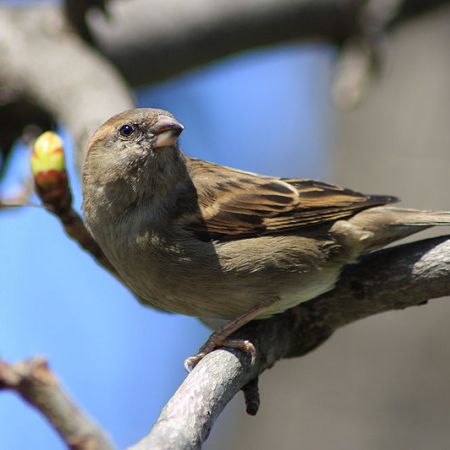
pixel 51 181
pixel 34 382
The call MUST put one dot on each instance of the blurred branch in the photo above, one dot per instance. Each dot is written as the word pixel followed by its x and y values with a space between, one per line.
pixel 361 58
pixel 34 382
pixel 390 279
pixel 149 40
pixel 75 12
pixel 17 113
pixel 37 60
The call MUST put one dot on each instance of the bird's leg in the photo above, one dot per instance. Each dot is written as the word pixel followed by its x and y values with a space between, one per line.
pixel 220 337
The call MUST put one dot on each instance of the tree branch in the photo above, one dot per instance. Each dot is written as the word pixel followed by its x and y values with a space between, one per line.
pixel 390 279
pixel 149 40
pixel 19 114
pixel 75 12
pixel 34 382
pixel 38 57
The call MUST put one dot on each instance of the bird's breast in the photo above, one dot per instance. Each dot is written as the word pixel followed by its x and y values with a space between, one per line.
pixel 220 280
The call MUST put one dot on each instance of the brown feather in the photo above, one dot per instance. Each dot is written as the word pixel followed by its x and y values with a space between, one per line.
pixel 236 204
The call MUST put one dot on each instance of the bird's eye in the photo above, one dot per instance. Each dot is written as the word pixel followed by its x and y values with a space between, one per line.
pixel 126 130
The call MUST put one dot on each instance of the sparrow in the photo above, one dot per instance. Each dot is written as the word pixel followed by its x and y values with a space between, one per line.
pixel 196 238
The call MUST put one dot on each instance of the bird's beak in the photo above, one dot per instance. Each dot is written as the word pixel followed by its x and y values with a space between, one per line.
pixel 167 130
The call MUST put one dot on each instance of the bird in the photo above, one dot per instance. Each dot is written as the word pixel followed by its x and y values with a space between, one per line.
pixel 222 244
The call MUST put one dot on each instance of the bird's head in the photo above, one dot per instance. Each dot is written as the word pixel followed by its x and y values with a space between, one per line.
pixel 132 140
pixel 132 154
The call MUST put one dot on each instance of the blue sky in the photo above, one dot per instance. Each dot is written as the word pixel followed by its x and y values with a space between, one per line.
pixel 265 111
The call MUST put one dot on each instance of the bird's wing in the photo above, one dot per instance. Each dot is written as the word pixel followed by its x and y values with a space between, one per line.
pixel 234 204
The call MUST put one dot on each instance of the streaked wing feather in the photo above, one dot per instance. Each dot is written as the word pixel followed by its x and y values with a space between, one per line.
pixel 235 204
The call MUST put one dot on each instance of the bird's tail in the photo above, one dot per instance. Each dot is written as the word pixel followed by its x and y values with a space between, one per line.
pixel 376 227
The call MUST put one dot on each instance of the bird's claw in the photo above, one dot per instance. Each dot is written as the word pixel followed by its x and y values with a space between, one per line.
pixel 211 344
pixel 192 361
